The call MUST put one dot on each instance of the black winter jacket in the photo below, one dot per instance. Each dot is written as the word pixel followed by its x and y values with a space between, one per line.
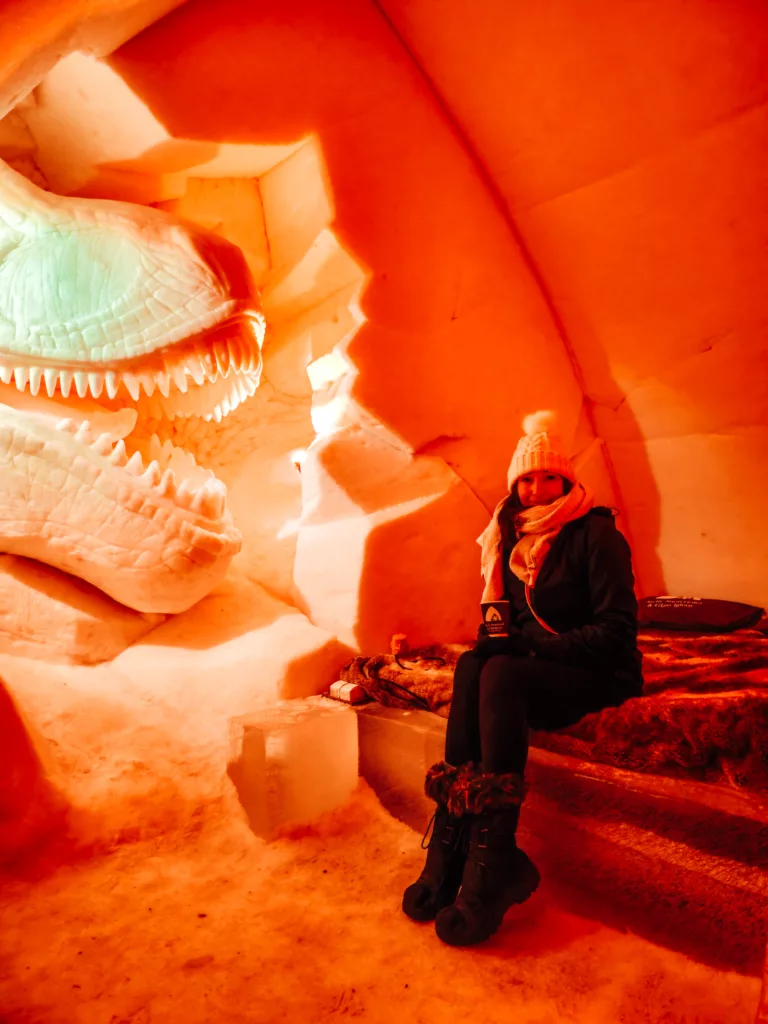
pixel 586 591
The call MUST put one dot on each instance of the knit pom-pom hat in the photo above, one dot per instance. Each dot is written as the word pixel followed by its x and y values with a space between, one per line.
pixel 539 448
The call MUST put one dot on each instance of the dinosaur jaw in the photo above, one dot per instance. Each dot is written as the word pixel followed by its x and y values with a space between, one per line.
pixel 169 476
pixel 140 520
pixel 207 375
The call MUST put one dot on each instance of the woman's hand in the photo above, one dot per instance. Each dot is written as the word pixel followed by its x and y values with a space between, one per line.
pixel 486 646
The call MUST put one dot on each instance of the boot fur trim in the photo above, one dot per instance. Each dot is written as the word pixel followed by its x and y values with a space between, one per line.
pixel 439 780
pixel 477 792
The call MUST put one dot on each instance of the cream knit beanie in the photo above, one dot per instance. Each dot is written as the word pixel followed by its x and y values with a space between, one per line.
pixel 539 448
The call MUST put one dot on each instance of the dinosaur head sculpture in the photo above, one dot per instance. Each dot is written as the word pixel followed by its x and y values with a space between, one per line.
pixel 108 309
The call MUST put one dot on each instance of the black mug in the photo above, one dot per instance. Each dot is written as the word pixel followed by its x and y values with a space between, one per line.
pixel 496 617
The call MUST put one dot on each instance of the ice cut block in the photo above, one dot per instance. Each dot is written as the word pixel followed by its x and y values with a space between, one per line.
pixel 293 761
pixel 396 748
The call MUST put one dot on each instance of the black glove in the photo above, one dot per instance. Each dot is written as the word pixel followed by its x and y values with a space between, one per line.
pixel 516 644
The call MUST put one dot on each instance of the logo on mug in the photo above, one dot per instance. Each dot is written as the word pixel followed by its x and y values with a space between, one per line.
pixel 496 617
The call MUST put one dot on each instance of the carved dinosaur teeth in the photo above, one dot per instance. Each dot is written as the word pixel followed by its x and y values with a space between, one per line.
pixel 163 382
pixel 220 363
pixel 119 455
pixel 81 383
pixel 207 362
pixel 147 382
pixel 223 361
pixel 210 499
pixel 180 378
pixel 195 370
pixel 236 390
pixel 51 376
pixel 167 485
pixel 202 494
pixel 103 444
pixel 185 493
pixel 152 474
pixel 248 385
pixel 135 464
pixel 132 385
pixel 169 470
pixel 208 381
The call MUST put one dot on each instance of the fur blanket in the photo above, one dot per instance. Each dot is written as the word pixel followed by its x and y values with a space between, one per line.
pixel 703 713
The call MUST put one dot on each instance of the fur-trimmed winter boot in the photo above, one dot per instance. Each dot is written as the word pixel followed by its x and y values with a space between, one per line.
pixel 497 874
pixel 438 883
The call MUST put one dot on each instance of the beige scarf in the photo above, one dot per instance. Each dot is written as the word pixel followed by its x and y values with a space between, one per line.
pixel 536 527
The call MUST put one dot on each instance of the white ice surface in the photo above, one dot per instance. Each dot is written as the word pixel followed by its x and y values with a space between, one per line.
pixel 293 762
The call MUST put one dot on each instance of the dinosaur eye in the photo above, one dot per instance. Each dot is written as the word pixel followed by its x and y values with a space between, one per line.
pixel 58 290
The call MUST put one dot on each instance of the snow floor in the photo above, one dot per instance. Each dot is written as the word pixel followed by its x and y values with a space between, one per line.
pixel 211 924
pixel 168 909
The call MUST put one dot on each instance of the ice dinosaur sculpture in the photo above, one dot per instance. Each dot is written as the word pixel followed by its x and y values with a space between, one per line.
pixel 109 312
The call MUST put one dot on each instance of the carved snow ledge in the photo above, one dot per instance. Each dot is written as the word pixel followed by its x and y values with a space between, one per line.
pixel 47 614
pixel 95 137
pixel 61 29
pixel 325 330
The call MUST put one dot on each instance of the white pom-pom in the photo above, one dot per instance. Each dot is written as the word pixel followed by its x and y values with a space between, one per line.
pixel 541 422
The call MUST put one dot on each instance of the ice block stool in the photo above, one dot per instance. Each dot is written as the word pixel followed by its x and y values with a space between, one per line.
pixel 292 761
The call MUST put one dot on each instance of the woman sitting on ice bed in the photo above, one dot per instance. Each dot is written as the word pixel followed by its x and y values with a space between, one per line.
pixel 571 649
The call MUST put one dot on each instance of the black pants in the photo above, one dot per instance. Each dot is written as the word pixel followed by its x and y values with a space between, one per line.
pixel 495 702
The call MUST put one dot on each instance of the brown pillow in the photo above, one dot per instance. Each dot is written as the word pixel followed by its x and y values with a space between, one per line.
pixel 696 614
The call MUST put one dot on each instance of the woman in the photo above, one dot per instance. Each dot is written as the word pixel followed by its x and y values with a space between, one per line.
pixel 571 649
